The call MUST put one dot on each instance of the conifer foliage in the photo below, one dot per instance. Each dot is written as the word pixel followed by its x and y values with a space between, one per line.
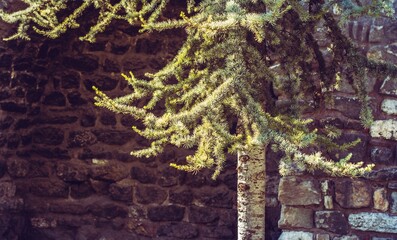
pixel 239 56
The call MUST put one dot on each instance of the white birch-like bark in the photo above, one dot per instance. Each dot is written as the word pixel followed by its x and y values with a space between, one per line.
pixel 251 172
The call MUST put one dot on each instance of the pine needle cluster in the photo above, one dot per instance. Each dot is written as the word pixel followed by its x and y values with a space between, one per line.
pixel 236 52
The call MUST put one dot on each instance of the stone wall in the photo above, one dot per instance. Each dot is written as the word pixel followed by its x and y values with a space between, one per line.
pixel 65 167
pixel 317 207
pixel 66 172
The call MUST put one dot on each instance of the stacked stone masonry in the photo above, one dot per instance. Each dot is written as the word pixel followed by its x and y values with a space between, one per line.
pixel 318 207
pixel 66 172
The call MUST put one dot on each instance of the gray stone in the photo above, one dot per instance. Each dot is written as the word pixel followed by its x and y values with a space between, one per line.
pixel 295 217
pixel 333 221
pixel 353 193
pixel 389 106
pixel 385 174
pixel 389 86
pixel 386 129
pixel 376 222
pixel 381 154
pixel 393 207
pixel 298 191
pixel 380 200
pixel 296 235
pixel 7 189
pixel 113 137
pixel 383 238
pixel 347 237
pixel 392 185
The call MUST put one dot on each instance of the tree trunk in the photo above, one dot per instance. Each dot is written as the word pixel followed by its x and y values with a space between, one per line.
pixel 251 172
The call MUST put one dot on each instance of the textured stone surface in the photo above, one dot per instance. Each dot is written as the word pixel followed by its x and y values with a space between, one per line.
pixel 166 213
pixel 143 175
pixel 347 237
pixel 380 200
pixel 383 174
pixel 297 191
pixel 113 137
pixel 389 86
pixel 332 221
pixel 295 217
pixel 393 208
pixel 48 136
pixel 296 235
pixel 322 236
pixel 150 194
pixel 352 194
pixel 178 230
pixel 377 222
pixel 122 191
pixel 202 215
pixel 389 106
pixel 83 63
pixel 381 155
pixel 55 99
pixel 386 129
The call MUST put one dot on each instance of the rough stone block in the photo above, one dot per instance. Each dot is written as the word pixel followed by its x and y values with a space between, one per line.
pixel 121 191
pixel 202 215
pixel 347 237
pixel 48 136
pixel 166 213
pixel 109 172
pixel 380 200
pixel 296 235
pixel 389 106
pixel 353 193
pixel 178 230
pixel 393 207
pixel 376 222
pixel 322 236
pixel 83 63
pixel 219 232
pixel 389 86
pixel 295 217
pixel 72 172
pixel 13 107
pixel 113 137
pixel 381 154
pixel 298 191
pixel 385 174
pixel 184 197
pixel 143 175
pixel 55 99
pixel 386 129
pixel 108 210
pixel 7 189
pixel 150 194
pixel 333 221
pixel 18 167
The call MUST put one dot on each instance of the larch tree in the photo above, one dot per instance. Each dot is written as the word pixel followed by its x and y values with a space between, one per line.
pixel 219 90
